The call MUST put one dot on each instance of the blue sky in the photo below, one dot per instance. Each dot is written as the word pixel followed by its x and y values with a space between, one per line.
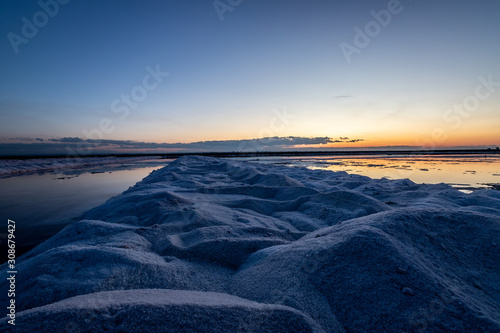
pixel 230 79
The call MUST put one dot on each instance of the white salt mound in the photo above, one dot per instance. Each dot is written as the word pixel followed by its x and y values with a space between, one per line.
pixel 216 245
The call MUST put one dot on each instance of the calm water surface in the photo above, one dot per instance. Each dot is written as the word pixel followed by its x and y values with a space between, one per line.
pixel 42 204
pixel 465 172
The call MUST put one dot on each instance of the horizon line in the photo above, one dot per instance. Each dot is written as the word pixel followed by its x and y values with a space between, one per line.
pixel 449 151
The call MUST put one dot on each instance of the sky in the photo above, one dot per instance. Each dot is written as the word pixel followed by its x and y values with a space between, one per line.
pixel 239 75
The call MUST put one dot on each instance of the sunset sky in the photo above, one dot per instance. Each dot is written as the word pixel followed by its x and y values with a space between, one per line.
pixel 204 75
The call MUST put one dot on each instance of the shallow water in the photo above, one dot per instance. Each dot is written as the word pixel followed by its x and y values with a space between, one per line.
pixel 465 172
pixel 42 204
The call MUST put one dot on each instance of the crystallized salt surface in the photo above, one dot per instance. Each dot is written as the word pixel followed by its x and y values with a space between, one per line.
pixel 209 244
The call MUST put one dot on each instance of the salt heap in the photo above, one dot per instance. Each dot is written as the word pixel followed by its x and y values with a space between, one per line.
pixel 209 244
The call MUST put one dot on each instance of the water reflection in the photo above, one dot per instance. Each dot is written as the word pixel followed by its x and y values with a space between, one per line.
pixel 42 204
pixel 466 172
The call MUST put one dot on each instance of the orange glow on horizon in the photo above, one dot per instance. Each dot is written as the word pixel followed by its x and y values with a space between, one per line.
pixel 428 138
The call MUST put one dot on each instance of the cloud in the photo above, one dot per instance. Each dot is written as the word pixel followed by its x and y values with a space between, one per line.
pixel 21 138
pixel 66 140
pixel 75 145
pixel 78 146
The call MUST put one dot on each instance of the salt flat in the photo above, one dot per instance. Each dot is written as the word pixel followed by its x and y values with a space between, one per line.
pixel 209 244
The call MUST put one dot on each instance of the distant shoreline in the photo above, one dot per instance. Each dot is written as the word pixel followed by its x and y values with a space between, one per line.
pixel 276 153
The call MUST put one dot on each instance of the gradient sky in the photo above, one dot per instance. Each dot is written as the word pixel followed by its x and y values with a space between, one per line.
pixel 233 79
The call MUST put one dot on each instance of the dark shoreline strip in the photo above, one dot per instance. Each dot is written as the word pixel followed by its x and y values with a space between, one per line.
pixel 278 153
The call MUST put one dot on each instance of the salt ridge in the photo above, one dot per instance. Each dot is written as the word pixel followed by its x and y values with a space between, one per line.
pixel 218 245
